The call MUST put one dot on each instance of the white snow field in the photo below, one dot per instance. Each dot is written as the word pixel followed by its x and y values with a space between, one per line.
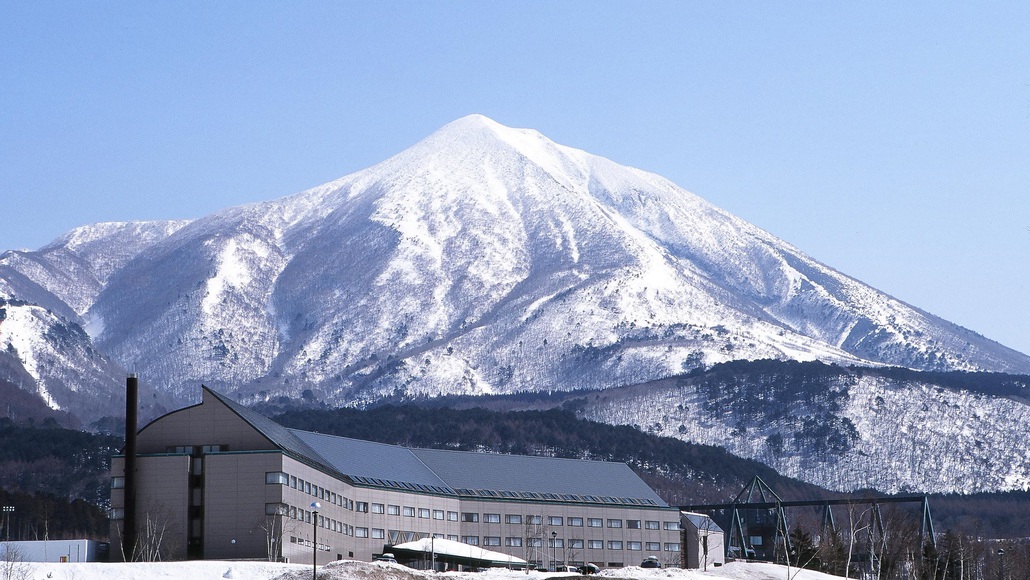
pixel 351 570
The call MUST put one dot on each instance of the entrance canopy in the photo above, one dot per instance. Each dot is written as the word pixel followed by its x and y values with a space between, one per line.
pixel 451 552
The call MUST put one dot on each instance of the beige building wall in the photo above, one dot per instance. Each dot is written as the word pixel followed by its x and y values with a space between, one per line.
pixel 207 424
pixel 163 506
pixel 214 477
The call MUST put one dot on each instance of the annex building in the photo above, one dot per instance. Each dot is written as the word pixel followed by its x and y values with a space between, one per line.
pixel 219 481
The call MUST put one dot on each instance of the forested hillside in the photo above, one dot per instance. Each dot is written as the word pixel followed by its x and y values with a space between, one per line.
pixel 56 479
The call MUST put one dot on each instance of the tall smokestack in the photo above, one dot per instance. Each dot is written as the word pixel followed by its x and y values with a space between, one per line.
pixel 129 528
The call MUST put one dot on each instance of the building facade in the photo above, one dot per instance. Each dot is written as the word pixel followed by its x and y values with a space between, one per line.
pixel 219 481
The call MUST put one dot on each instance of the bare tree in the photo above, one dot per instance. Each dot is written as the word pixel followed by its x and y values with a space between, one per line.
pixel 12 564
pixel 800 552
pixel 153 543
pixel 276 526
pixel 535 541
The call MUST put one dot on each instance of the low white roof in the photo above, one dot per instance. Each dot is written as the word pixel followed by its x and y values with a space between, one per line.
pixel 458 550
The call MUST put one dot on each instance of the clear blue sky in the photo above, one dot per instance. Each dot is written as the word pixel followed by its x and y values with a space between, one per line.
pixel 889 140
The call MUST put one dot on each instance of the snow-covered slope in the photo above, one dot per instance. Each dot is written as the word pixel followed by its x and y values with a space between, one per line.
pixel 842 429
pixel 484 259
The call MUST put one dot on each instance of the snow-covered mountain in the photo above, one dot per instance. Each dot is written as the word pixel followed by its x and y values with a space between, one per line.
pixel 843 428
pixel 484 259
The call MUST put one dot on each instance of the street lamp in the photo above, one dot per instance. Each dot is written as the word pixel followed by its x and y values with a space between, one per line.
pixel 1001 567
pixel 8 510
pixel 315 507
pixel 554 544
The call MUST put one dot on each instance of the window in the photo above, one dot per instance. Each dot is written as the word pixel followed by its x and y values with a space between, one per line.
pixel 452 516
pixel 653 546
pixel 535 542
pixel 452 537
pixel 393 510
pixel 576 522
pixel 470 540
pixel 512 519
pixel 360 532
pixel 116 513
pixel 118 482
pixel 272 509
pixel 650 525
pixel 470 517
pixel 595 544
pixel 555 521
pixel 594 522
pixel 635 546
pixel 535 520
pixel 513 542
pixel 491 540
pixel 614 523
pixel 293 481
pixel 378 533
pixel 576 544
pixel 556 543
pixel 633 524
pixel 378 508
pixel 423 513
pixel 672 547
pixel 672 526
pixel 492 519
pixel 409 512
pixel 361 506
pixel 614 544
pixel 307 487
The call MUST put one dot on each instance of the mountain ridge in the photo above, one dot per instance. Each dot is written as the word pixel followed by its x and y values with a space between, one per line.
pixel 481 260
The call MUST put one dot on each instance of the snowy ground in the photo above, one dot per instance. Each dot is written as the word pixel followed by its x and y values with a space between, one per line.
pixel 348 570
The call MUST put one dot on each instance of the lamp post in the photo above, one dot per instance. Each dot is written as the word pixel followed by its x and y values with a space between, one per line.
pixel 554 544
pixel 315 507
pixel 1001 566
pixel 8 510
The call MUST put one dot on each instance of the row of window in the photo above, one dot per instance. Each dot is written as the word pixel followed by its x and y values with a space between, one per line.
pixel 571 521
pixel 308 517
pixel 282 478
pixel 574 544
pixel 406 511
pixel 319 492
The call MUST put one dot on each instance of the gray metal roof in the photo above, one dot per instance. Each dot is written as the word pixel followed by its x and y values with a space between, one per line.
pixel 367 461
pixel 568 479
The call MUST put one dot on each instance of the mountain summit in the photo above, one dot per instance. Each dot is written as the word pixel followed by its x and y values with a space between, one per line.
pixel 484 259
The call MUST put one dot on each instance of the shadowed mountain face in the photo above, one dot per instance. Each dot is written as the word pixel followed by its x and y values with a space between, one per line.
pixel 484 259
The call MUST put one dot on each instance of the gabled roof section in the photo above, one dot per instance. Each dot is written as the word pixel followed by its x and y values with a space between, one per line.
pixel 702 522
pixel 278 435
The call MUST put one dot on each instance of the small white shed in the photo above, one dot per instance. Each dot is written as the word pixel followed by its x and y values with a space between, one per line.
pixel 704 542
